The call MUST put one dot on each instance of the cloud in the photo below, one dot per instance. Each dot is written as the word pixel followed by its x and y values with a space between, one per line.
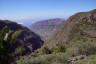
pixel 20 23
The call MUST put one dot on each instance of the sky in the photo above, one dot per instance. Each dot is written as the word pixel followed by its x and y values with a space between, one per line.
pixel 42 9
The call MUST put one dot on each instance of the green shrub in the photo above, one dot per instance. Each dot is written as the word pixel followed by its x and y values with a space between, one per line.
pixel 71 51
pixel 45 59
pixel 46 50
pixel 86 62
pixel 19 50
pixel 58 48
pixel 7 39
pixel 33 54
pixel 87 48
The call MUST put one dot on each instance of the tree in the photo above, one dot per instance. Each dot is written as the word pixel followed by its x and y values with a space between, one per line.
pixel 7 38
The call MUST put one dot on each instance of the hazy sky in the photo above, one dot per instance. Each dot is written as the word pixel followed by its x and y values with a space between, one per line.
pixel 25 9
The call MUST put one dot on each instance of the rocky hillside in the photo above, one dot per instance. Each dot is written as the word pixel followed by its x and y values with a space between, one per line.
pixel 47 28
pixel 73 43
pixel 27 40
pixel 78 28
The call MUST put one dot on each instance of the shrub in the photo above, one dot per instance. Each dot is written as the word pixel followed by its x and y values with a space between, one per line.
pixel 87 48
pixel 33 54
pixel 7 39
pixel 46 50
pixel 86 62
pixel 58 58
pixel 58 48
pixel 71 51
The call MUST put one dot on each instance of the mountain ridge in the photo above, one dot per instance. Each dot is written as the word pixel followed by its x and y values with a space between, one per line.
pixel 46 28
pixel 27 39
pixel 73 25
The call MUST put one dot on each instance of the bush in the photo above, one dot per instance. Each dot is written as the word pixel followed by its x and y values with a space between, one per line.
pixel 71 52
pixel 7 39
pixel 87 48
pixel 46 50
pixel 86 62
pixel 45 59
pixel 58 48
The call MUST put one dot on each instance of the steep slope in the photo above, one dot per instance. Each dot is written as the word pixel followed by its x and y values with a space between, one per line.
pixel 79 27
pixel 46 28
pixel 74 43
pixel 27 40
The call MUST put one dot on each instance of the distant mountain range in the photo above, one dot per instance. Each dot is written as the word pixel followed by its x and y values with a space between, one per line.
pixel 46 28
pixel 71 41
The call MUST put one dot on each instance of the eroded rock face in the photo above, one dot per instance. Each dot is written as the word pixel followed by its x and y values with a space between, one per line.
pixel 27 40
pixel 46 28
pixel 85 17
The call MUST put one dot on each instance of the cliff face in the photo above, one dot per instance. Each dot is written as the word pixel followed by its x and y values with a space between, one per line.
pixel 46 28
pixel 81 26
pixel 27 40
